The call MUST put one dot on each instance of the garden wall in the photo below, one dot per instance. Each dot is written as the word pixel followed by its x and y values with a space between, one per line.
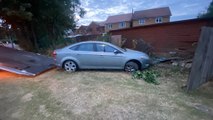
pixel 180 36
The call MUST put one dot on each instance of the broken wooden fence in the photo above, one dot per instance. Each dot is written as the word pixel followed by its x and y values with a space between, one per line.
pixel 202 66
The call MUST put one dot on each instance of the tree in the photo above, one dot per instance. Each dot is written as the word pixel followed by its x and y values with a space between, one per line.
pixel 209 12
pixel 40 23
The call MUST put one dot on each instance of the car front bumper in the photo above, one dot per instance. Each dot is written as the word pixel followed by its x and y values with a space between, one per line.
pixel 145 64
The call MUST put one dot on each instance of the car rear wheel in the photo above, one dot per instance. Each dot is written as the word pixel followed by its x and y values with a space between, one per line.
pixel 70 66
pixel 131 67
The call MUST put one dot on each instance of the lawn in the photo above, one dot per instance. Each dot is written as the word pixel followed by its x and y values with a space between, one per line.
pixel 107 95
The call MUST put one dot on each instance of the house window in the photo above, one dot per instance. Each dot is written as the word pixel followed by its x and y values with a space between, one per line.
pixel 159 20
pixel 109 26
pixel 122 24
pixel 142 21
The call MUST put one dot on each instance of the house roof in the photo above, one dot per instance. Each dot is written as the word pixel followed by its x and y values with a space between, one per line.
pixel 83 27
pixel 119 18
pixel 156 12
pixel 102 23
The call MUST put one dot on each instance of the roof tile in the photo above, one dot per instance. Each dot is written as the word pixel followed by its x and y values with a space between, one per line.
pixel 156 12
pixel 119 18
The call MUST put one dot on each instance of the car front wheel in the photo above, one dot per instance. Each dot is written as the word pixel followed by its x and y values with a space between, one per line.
pixel 70 66
pixel 131 67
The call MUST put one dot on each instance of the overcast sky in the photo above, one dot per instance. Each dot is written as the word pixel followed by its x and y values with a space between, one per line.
pixel 99 10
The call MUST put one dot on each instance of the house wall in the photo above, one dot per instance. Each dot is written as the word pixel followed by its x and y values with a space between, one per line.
pixel 86 38
pixel 149 21
pixel 95 30
pixel 174 36
pixel 92 29
pixel 81 31
pixel 115 26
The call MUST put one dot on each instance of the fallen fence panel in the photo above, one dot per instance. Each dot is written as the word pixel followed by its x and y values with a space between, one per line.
pixel 24 63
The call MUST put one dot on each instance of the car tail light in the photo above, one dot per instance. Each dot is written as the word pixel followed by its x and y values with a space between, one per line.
pixel 54 54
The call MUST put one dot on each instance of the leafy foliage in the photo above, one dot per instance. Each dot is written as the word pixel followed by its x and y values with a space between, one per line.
pixel 40 23
pixel 105 38
pixel 209 12
pixel 148 75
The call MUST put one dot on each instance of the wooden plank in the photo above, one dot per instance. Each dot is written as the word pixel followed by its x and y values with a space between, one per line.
pixel 207 64
pixel 202 62
pixel 116 40
pixel 196 65
pixel 209 57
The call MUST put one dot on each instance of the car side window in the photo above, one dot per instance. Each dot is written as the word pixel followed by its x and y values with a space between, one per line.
pixel 104 48
pixel 85 47
pixel 109 48
pixel 100 47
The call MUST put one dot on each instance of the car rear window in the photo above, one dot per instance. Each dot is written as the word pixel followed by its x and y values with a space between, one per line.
pixel 74 47
pixel 86 47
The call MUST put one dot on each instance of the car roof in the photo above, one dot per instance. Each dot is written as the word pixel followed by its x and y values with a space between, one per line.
pixel 94 42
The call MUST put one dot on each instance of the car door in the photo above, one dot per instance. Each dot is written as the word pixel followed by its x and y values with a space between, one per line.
pixel 107 58
pixel 86 56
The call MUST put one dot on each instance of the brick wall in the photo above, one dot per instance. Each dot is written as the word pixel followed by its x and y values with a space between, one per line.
pixel 166 37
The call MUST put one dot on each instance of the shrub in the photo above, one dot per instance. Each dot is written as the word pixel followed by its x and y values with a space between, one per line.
pixel 143 46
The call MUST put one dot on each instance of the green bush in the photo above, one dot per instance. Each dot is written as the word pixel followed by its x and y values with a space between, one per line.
pixel 147 75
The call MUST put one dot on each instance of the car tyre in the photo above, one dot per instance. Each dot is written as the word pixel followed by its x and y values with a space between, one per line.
pixel 131 67
pixel 70 66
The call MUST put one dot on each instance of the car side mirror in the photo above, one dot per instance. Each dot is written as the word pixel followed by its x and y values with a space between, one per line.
pixel 116 52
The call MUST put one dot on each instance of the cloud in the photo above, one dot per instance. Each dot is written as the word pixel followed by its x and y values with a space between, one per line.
pixel 191 5
pixel 99 10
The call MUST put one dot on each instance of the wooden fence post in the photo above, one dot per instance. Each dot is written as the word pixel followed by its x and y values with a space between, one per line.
pixel 202 66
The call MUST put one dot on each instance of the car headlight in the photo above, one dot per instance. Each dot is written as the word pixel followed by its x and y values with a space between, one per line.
pixel 146 57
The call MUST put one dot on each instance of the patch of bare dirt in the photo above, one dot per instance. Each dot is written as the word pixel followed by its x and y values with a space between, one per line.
pixel 102 95
pixel 27 97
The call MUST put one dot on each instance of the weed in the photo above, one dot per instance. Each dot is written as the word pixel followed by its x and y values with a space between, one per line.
pixel 148 75
pixel 175 69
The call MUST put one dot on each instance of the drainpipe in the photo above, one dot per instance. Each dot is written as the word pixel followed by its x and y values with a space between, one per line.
pixel 131 22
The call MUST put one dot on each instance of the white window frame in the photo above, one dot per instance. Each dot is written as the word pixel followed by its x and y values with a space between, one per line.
pixel 122 24
pixel 159 20
pixel 109 26
pixel 141 21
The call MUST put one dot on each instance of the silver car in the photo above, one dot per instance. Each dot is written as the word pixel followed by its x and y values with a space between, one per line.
pixel 99 55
